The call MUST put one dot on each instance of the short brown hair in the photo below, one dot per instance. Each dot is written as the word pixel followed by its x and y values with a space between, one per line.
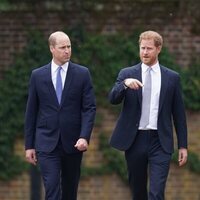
pixel 158 40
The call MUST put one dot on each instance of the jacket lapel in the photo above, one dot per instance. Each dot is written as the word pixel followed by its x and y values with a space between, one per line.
pixel 138 76
pixel 164 85
pixel 50 83
pixel 68 80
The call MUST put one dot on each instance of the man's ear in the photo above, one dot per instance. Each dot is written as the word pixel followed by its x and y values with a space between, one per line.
pixel 159 49
pixel 51 48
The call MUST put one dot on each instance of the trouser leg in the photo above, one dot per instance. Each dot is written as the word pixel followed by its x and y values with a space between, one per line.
pixel 70 175
pixel 159 162
pixel 50 166
pixel 137 163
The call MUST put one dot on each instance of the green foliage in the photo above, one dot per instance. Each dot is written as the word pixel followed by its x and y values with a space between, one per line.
pixel 105 55
pixel 193 163
pixel 115 159
pixel 191 86
pixel 116 162
pixel 13 95
pixel 94 171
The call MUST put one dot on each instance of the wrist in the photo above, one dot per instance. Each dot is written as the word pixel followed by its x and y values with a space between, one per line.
pixel 124 83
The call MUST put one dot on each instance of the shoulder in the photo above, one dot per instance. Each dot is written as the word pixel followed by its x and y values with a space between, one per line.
pixel 78 66
pixel 171 75
pixel 131 68
pixel 169 71
pixel 79 71
pixel 41 69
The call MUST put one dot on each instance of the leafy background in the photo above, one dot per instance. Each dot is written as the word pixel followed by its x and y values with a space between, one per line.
pixel 104 55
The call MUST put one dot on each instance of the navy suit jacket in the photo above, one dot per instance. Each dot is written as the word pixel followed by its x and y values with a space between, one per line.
pixel 46 121
pixel 171 108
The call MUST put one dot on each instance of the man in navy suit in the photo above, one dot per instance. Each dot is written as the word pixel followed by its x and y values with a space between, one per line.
pixel 151 96
pixel 59 119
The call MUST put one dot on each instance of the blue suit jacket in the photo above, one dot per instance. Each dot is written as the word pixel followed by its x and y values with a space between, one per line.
pixel 46 121
pixel 171 107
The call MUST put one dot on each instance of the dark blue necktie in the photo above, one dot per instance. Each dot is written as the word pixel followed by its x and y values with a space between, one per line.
pixel 59 84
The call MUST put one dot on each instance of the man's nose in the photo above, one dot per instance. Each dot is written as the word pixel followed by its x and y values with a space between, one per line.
pixel 66 50
pixel 145 51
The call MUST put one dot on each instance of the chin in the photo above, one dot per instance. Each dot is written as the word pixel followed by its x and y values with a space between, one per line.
pixel 66 60
pixel 145 60
pixel 146 63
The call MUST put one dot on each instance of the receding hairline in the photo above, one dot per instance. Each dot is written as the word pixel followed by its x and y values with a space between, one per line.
pixel 53 37
pixel 155 36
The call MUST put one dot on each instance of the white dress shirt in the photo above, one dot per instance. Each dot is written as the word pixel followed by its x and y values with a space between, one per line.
pixel 155 94
pixel 54 69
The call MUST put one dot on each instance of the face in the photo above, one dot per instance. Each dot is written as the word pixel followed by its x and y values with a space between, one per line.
pixel 61 51
pixel 149 52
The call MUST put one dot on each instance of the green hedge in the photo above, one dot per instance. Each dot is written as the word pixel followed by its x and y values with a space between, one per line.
pixel 115 161
pixel 105 55
pixel 13 95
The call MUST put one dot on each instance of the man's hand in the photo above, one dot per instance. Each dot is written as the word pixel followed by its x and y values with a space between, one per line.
pixel 31 156
pixel 133 83
pixel 182 156
pixel 81 144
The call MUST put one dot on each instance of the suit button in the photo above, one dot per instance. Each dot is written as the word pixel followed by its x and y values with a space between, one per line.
pixel 137 125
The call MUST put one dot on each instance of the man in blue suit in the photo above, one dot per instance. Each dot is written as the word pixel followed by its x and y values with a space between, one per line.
pixel 151 96
pixel 59 119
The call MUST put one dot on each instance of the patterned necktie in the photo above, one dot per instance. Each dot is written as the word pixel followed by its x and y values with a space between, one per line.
pixel 146 100
pixel 59 84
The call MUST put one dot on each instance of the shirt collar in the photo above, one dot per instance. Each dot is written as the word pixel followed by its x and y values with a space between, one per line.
pixel 154 67
pixel 54 66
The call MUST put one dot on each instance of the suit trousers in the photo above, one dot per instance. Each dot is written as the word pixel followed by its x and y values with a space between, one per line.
pixel 147 161
pixel 60 172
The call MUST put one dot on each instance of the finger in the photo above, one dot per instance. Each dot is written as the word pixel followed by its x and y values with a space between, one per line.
pixel 182 161
pixel 76 145
pixel 135 85
pixel 83 147
pixel 139 83
pixel 180 155
pixel 34 157
pixel 31 161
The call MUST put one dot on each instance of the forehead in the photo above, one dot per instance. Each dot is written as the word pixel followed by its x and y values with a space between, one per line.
pixel 62 40
pixel 147 42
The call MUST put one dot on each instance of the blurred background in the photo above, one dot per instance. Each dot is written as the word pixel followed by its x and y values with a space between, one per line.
pixel 104 35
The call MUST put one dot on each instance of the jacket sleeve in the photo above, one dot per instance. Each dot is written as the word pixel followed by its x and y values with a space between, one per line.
pixel 118 91
pixel 31 114
pixel 179 116
pixel 88 108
